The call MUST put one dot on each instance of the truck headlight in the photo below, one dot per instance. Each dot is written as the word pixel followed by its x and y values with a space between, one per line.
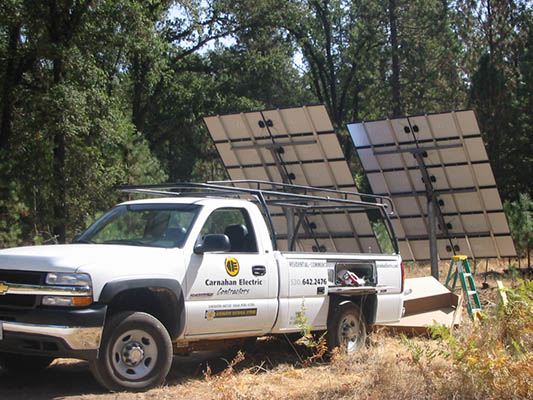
pixel 67 301
pixel 67 279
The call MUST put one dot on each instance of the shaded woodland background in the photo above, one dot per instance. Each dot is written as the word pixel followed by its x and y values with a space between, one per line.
pixel 95 93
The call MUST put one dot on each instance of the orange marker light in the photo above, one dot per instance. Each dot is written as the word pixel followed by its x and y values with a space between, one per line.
pixel 81 301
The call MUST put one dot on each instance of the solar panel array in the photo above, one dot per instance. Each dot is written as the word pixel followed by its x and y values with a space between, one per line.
pixel 296 146
pixel 453 155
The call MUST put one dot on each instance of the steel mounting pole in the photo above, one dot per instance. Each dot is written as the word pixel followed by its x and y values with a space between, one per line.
pixel 433 214
pixel 433 253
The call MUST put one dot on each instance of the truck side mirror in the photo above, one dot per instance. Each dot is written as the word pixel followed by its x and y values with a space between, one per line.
pixel 212 242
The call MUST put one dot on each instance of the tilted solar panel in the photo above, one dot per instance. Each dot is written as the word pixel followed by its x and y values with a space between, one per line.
pixel 447 150
pixel 296 146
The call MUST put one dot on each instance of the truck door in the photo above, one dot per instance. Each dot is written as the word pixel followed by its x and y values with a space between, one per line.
pixel 390 299
pixel 233 291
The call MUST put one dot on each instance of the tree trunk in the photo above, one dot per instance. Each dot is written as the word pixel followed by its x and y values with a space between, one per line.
pixel 64 20
pixel 60 206
pixel 140 67
pixel 395 82
pixel 10 80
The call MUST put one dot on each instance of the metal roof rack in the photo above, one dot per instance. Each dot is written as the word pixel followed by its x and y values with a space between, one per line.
pixel 300 197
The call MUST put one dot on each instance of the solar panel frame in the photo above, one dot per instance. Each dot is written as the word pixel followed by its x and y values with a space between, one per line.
pixel 296 145
pixel 454 155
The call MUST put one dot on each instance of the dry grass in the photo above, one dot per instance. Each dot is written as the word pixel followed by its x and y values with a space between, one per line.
pixel 385 369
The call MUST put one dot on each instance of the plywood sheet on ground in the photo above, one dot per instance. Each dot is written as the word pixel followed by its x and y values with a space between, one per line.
pixel 427 302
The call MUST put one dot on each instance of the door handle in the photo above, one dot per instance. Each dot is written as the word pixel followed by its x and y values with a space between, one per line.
pixel 258 270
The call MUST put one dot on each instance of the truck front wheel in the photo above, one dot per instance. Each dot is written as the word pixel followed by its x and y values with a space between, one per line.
pixel 346 328
pixel 135 354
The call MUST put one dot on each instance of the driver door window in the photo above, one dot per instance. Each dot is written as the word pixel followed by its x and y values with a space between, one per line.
pixel 236 225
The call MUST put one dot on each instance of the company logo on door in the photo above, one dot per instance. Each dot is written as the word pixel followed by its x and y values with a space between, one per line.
pixel 232 266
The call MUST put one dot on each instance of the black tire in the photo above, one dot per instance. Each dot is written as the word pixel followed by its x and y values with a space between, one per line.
pixel 22 363
pixel 346 328
pixel 135 353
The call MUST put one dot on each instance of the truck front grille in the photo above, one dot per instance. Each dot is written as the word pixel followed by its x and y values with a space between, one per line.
pixel 16 301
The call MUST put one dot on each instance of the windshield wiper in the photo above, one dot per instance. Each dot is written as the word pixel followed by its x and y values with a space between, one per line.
pixel 82 241
pixel 130 242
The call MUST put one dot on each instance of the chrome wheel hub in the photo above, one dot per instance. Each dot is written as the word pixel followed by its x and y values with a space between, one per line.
pixel 134 354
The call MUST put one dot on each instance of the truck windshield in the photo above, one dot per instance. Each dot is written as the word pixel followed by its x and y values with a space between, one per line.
pixel 153 225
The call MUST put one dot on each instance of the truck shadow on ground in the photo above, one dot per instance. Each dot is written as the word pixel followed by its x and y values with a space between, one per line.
pixel 71 378
pixel 64 377
pixel 267 351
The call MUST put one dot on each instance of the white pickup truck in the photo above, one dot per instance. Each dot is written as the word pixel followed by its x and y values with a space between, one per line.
pixel 196 269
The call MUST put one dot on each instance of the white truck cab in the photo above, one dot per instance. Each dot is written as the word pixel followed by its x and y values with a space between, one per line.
pixel 196 269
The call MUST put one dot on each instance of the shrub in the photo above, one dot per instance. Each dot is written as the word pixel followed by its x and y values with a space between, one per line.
pixel 497 354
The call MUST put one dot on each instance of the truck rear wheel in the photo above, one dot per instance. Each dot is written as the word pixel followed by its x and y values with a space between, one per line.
pixel 21 363
pixel 135 354
pixel 346 328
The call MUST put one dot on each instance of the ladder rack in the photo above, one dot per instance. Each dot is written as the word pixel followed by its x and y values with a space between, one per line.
pixel 306 199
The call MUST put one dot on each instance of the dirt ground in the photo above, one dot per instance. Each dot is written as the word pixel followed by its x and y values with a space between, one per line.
pixel 71 379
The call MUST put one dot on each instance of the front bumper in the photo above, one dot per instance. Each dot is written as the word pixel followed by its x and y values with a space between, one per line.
pixel 53 332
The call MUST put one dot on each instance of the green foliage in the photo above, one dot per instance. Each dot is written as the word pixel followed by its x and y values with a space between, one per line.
pixel 520 217
pixel 419 352
pixel 335 39
pixel 69 135
pixel 383 237
pixel 12 210
pixel 499 34
pixel 301 321
pixel 317 345
pixel 429 55
pixel 517 316
pixel 498 353
pixel 492 358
